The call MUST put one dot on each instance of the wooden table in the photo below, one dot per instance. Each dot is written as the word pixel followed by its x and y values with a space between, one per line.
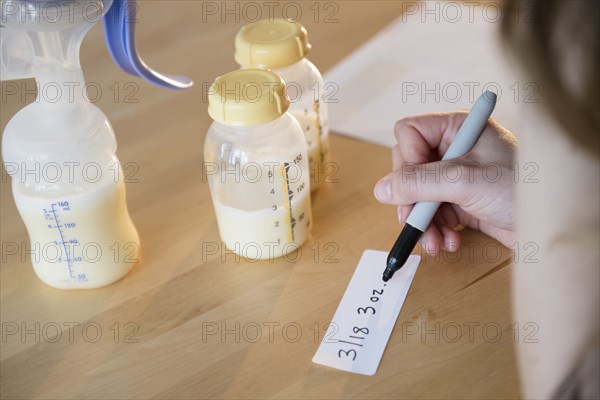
pixel 184 323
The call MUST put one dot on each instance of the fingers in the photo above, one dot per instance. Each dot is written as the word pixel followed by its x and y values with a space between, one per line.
pixel 417 136
pixel 447 216
pixel 444 181
pixel 403 213
pixel 437 238
pixel 418 175
pixel 425 138
pixel 431 240
pixel 440 235
pixel 397 160
pixel 451 239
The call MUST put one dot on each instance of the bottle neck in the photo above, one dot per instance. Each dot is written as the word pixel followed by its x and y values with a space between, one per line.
pixel 61 89
pixel 57 69
pixel 254 130
pixel 293 71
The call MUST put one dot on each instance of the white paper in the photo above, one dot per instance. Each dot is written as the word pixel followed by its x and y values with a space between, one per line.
pixel 363 322
pixel 448 60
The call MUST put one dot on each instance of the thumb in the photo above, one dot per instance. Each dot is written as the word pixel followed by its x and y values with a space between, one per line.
pixel 449 181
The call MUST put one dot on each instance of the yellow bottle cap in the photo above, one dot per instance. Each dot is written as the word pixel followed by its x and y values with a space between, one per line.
pixel 270 44
pixel 247 97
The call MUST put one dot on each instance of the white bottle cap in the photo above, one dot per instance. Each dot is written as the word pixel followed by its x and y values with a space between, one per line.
pixel 271 44
pixel 247 97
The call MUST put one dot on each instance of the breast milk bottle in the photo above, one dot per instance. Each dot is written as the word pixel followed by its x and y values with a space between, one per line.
pixel 281 46
pixel 69 189
pixel 256 165
pixel 67 183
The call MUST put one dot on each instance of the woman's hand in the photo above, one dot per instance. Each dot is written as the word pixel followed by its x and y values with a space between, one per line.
pixel 478 187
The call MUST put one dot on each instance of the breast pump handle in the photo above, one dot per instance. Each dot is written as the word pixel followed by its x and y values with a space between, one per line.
pixel 17 53
pixel 119 31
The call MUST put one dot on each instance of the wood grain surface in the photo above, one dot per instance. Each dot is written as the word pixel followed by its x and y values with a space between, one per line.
pixel 186 323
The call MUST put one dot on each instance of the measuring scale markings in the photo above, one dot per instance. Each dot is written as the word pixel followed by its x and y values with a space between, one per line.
pixel 313 131
pixel 291 203
pixel 54 216
pixel 289 195
pixel 316 106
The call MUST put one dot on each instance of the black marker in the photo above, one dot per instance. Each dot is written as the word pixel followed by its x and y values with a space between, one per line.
pixel 423 212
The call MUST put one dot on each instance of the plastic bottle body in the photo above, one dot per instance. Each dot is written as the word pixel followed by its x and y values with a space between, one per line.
pixel 60 150
pixel 68 187
pixel 306 89
pixel 259 182
pixel 80 240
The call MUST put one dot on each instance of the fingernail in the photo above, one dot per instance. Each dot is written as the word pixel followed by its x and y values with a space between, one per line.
pixel 383 190
pixel 451 247
pixel 427 249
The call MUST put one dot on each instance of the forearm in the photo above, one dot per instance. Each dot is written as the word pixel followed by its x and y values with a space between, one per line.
pixel 556 278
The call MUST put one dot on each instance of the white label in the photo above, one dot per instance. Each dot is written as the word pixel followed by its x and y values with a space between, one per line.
pixel 363 322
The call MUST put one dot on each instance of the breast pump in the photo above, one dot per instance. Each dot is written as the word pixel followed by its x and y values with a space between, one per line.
pixel 60 150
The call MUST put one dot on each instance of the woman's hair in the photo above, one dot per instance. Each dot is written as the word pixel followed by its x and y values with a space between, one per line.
pixel 558 43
